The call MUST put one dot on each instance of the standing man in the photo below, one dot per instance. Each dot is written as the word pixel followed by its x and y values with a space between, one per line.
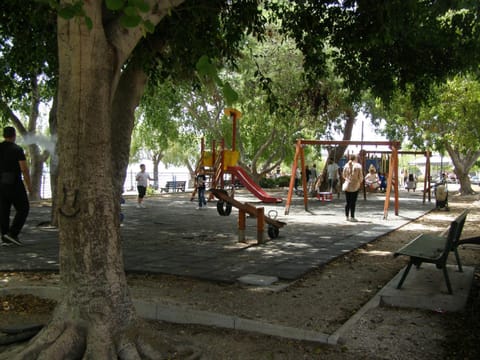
pixel 332 175
pixel 13 165
pixel 142 184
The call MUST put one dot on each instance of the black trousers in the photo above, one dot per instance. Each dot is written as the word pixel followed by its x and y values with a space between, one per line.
pixel 351 203
pixel 17 196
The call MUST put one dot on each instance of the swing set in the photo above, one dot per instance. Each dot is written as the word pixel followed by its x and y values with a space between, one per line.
pixel 392 178
pixel 383 166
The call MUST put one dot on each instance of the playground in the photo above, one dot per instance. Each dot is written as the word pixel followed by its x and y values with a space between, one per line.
pixel 218 267
pixel 222 171
pixel 251 256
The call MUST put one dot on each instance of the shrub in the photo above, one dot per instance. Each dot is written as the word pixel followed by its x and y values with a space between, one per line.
pixel 267 183
pixel 283 181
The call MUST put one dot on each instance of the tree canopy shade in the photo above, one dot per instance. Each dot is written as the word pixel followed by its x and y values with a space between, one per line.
pixel 383 45
pixel 28 65
pixel 451 121
pixel 448 121
pixel 28 47
pixel 158 124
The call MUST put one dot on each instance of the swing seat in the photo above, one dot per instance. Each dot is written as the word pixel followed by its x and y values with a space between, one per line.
pixel 411 185
pixel 325 196
pixel 372 187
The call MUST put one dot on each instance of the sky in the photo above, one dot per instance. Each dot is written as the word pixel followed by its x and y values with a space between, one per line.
pixel 369 133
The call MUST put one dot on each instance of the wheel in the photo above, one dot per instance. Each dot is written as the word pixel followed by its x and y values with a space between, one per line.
pixel 272 214
pixel 273 232
pixel 224 208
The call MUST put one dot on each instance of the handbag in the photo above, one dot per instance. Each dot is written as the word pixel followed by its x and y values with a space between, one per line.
pixel 345 185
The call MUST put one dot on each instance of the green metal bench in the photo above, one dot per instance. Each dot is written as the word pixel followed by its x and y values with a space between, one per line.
pixel 434 249
pixel 175 186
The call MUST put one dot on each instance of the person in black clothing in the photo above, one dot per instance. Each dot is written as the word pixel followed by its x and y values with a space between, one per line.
pixel 201 186
pixel 12 190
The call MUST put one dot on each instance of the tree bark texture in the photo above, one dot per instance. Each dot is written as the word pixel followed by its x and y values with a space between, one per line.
pixel 463 162
pixel 95 317
pixel 337 152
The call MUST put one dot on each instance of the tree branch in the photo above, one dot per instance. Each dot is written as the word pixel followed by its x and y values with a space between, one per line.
pixel 5 108
pixel 126 39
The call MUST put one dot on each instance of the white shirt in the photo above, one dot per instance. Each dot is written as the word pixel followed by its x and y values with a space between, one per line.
pixel 142 178
pixel 332 171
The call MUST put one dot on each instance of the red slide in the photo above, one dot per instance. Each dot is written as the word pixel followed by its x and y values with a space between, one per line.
pixel 247 181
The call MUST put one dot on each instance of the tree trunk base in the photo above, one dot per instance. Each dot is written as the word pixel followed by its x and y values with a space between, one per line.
pixel 62 340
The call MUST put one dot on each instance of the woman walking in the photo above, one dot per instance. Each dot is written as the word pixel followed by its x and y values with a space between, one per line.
pixel 352 173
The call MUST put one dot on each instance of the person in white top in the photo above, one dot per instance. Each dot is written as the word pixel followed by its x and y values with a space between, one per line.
pixel 332 175
pixel 142 184
pixel 372 181
pixel 352 173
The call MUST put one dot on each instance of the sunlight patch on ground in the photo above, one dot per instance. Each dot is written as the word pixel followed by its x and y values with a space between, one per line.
pixel 422 227
pixel 375 253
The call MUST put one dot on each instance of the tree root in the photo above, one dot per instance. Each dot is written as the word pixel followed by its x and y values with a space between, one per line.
pixel 14 335
pixel 77 340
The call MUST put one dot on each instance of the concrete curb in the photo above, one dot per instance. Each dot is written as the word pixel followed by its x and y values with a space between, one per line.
pixel 419 292
pixel 181 315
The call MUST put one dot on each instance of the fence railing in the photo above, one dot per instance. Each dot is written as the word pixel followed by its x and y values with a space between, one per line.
pixel 130 184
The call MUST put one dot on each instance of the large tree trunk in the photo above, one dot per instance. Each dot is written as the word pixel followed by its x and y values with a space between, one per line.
pixel 463 162
pixel 96 310
pixel 156 159
pixel 37 160
pixel 95 317
pixel 127 97
pixel 274 147
pixel 337 152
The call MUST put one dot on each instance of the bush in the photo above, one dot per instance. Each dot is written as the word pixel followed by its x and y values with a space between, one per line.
pixel 267 183
pixel 283 181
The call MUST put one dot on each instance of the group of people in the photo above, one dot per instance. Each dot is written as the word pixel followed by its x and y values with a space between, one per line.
pixel 314 179
pixel 352 175
pixel 143 177
pixel 14 176
pixel 311 177
pixel 353 178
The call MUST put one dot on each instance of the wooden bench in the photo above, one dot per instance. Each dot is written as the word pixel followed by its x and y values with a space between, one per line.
pixel 175 186
pixel 434 249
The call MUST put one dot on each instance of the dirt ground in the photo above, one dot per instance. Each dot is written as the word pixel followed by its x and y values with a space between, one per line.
pixel 322 301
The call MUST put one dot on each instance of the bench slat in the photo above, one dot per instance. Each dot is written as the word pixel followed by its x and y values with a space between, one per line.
pixel 425 245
